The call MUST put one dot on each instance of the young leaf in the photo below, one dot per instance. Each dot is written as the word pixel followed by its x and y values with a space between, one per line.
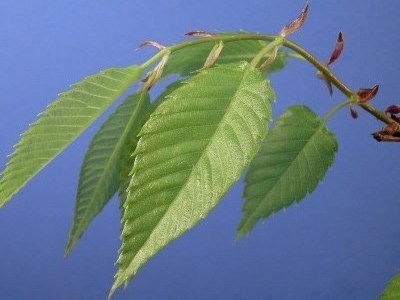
pixel 99 178
pixel 191 59
pixel 61 123
pixel 192 149
pixel 293 158
pixel 392 291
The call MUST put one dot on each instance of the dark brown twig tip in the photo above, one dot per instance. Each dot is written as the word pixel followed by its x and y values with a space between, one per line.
pixel 338 49
pixel 393 110
pixel 199 33
pixel 297 23
pixel 366 94
pixel 151 43
pixel 390 133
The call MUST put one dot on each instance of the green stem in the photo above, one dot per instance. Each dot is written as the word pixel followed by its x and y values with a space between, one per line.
pixel 334 110
pixel 322 67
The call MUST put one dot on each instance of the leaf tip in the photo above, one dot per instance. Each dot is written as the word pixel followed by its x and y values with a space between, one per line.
pixel 297 23
pixel 338 49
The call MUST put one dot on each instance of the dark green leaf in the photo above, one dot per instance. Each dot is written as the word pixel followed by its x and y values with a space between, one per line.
pixel 103 163
pixel 61 123
pixel 293 158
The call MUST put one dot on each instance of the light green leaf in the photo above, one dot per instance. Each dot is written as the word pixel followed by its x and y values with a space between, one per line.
pixel 293 158
pixel 128 158
pixel 392 291
pixel 192 149
pixel 61 123
pixel 103 163
pixel 190 59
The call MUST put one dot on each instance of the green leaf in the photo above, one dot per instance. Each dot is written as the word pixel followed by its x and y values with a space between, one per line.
pixel 192 149
pixel 103 163
pixel 61 123
pixel 293 158
pixel 128 158
pixel 190 59
pixel 392 291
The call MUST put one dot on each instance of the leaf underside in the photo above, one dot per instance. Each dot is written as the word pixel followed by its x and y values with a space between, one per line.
pixel 293 158
pixel 61 123
pixel 392 291
pixel 191 59
pixel 192 149
pixel 103 162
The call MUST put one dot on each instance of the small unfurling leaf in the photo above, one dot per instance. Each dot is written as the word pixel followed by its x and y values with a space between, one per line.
pixel 199 33
pixel 366 94
pixel 151 43
pixel 296 24
pixel 153 76
pixel 338 49
pixel 213 56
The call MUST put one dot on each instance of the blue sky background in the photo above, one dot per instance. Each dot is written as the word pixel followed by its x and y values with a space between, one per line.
pixel 343 242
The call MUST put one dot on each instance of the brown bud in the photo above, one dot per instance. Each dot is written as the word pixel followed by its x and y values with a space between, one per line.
pixel 353 112
pixel 393 110
pixel 199 33
pixel 271 58
pixel 338 49
pixel 366 94
pixel 151 43
pixel 327 82
pixel 296 24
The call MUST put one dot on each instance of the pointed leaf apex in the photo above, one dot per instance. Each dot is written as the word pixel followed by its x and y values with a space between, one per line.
pixel 297 23
pixel 338 49
pixel 151 43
